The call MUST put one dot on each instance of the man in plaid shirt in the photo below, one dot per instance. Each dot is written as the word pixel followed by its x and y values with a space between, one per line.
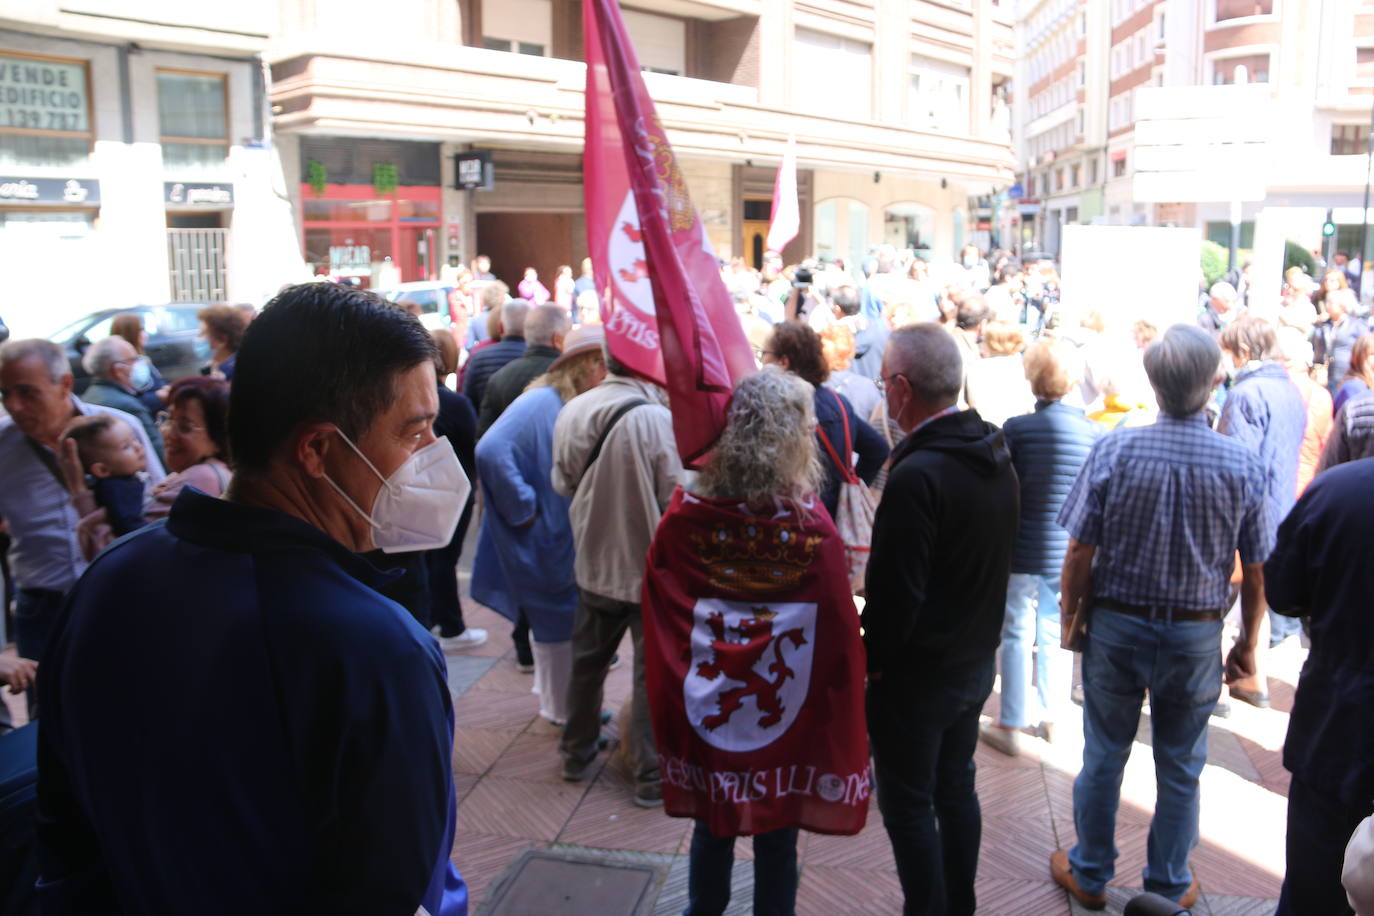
pixel 1155 518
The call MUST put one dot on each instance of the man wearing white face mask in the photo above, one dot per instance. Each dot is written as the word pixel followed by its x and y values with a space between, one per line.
pixel 281 700
pixel 112 363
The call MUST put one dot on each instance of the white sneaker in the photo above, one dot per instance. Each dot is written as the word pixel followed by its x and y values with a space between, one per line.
pixel 472 636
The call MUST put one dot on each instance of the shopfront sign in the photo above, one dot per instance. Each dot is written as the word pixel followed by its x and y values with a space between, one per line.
pixel 182 194
pixel 350 260
pixel 473 171
pixel 69 191
pixel 43 95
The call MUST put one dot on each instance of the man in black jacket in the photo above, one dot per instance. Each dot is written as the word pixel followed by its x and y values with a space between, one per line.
pixel 937 588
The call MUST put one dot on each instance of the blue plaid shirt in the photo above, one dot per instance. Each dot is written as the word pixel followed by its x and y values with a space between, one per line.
pixel 1167 506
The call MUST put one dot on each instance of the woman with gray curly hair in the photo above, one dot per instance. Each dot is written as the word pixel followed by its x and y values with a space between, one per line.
pixel 753 661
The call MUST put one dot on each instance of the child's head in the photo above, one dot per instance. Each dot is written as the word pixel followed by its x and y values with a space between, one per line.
pixel 106 446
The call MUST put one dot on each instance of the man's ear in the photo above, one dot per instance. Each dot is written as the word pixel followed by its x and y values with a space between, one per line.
pixel 65 383
pixel 313 443
pixel 99 469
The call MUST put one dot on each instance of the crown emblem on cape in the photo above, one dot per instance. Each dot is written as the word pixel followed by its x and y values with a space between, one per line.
pixel 755 558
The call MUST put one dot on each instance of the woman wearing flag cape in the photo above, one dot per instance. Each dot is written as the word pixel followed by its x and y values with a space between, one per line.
pixel 753 662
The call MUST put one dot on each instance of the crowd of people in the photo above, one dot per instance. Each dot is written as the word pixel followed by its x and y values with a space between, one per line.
pixel 1037 483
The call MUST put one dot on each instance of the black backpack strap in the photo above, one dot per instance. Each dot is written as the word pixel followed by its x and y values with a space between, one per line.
pixel 595 453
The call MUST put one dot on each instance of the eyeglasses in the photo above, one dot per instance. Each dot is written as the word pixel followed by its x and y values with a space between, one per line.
pixel 883 381
pixel 183 427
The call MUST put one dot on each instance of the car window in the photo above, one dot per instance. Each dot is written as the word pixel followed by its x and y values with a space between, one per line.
pixel 68 331
pixel 171 321
pixel 428 298
pixel 100 330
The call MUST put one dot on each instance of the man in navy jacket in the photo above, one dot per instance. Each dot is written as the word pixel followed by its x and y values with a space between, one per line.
pixel 288 747
pixel 1320 569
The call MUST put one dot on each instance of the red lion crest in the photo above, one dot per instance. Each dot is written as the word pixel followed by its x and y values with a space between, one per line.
pixel 736 659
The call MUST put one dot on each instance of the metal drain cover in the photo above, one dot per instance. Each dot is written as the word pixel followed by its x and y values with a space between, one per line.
pixel 542 882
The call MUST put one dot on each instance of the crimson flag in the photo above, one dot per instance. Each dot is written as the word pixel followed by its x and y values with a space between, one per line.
pixel 667 313
pixel 754 670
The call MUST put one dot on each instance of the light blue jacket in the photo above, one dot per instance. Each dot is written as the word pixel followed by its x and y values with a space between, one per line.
pixel 525 552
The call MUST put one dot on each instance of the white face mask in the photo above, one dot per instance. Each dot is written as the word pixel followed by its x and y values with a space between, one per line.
pixel 418 506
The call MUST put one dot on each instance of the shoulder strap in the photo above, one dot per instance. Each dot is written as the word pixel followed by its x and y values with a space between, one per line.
pixel 595 453
pixel 843 466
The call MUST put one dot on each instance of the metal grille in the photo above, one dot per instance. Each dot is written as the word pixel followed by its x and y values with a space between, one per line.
pixel 196 258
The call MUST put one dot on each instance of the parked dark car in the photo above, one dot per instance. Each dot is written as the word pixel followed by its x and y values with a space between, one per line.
pixel 173 342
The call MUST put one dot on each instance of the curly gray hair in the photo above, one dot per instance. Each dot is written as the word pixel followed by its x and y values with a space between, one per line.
pixel 767 450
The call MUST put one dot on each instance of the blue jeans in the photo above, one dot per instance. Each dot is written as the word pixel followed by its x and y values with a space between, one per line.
pixel 1180 664
pixel 713 860
pixel 924 728
pixel 1033 619
pixel 1281 627
pixel 35 616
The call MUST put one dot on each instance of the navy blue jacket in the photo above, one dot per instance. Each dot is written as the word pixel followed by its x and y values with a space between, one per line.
pixel 1048 448
pixel 1320 569
pixel 864 439
pixel 482 365
pixel 234 721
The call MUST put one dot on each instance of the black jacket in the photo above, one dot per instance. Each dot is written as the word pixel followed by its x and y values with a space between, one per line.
pixel 942 545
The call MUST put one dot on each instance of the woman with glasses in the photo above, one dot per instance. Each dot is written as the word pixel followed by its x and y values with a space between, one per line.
pixel 195 438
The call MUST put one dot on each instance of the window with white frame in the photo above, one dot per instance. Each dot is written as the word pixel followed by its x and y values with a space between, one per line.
pixel 939 95
pixel 1364 63
pixel 1242 9
pixel 660 42
pixel 1250 68
pixel 520 26
pixel 833 73
pixel 1141 48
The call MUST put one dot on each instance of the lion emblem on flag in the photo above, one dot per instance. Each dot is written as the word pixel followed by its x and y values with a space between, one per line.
pixel 750 670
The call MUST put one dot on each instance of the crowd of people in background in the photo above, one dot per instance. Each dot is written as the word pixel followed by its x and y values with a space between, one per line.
pixel 1045 481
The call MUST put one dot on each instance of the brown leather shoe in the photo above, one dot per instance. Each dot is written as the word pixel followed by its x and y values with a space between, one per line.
pixel 1062 874
pixel 1190 895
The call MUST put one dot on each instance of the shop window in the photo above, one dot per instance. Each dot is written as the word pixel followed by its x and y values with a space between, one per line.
pixel 1240 9
pixel 45 112
pixel 194 120
pixel 833 74
pixel 1349 139
pixel 825 228
pixel 1252 68
pixel 519 26
pixel 909 227
pixel 857 215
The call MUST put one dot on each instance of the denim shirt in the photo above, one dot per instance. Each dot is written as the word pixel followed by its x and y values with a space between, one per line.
pixel 1265 411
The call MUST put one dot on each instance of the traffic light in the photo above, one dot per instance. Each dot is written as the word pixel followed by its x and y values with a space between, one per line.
pixel 1328 228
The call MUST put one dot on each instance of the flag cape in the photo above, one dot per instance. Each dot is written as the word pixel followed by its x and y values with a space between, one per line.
pixel 667 313
pixel 754 671
pixel 785 220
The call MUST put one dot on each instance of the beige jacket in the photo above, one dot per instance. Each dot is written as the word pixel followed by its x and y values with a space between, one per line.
pixel 616 508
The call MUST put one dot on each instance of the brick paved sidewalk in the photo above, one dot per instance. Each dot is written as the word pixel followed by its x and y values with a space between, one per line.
pixel 511 798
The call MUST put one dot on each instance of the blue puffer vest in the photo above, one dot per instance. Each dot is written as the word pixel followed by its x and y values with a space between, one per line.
pixel 1048 448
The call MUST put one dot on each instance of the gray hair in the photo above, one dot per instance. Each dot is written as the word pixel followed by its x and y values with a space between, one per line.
pixel 544 323
pixel 928 357
pixel 103 354
pixel 1222 290
pixel 768 448
pixel 513 317
pixel 15 351
pixel 1182 368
